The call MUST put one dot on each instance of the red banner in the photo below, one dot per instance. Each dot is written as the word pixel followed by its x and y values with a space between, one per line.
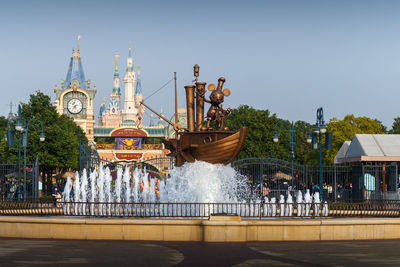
pixel 128 156
pixel 128 132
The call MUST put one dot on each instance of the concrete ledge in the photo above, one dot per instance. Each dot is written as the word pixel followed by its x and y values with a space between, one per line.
pixel 217 229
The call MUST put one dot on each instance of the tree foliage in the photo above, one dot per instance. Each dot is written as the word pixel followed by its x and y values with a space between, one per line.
pixel 261 129
pixel 61 146
pixel 3 145
pixel 344 130
pixel 395 126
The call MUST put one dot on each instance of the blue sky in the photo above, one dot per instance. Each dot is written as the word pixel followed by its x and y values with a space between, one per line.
pixel 289 57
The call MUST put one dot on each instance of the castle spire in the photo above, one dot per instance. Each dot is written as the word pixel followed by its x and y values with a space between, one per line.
pixel 129 65
pixel 10 115
pixel 116 74
pixel 75 71
pixel 116 89
pixel 116 61
pixel 76 54
pixel 161 121
pixel 138 89
pixel 79 37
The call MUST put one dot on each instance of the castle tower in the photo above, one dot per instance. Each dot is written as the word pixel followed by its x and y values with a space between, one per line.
pixel 11 114
pixel 111 116
pixel 116 93
pixel 129 112
pixel 75 97
pixel 139 95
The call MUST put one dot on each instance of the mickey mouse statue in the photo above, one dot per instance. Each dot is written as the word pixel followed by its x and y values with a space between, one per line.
pixel 216 112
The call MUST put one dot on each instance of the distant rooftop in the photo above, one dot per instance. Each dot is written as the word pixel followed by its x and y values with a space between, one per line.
pixel 370 147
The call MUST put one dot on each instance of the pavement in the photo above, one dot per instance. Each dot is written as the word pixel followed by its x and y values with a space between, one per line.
pixel 37 252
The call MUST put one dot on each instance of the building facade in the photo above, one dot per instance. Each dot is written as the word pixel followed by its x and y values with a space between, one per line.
pixel 75 97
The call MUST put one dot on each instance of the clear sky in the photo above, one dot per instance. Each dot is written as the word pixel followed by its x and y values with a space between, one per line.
pixel 289 57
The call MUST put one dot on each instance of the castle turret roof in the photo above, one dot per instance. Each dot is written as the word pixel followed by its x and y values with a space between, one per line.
pixel 75 71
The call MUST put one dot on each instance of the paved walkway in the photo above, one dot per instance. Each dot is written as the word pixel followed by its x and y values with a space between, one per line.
pixel 30 252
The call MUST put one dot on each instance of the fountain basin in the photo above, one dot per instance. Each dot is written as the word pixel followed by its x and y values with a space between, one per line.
pixel 216 229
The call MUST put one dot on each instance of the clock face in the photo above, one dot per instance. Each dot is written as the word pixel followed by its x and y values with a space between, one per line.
pixel 74 106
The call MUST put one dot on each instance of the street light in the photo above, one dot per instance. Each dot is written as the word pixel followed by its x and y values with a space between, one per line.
pixel 22 128
pixel 292 131
pixel 319 130
pixel 309 138
pixel 42 137
pixel 19 128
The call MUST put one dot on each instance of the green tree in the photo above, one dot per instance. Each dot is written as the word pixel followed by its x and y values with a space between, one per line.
pixel 60 150
pixel 261 129
pixel 63 136
pixel 3 144
pixel 344 130
pixel 395 126
pixel 303 152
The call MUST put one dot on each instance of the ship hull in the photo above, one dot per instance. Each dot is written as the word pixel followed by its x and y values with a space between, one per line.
pixel 216 147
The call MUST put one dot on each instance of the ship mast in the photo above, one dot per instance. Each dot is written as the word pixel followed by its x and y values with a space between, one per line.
pixel 176 106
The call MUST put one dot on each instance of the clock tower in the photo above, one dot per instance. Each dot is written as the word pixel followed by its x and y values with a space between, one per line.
pixel 75 97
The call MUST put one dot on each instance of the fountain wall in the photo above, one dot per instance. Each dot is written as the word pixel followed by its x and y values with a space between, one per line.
pixel 216 229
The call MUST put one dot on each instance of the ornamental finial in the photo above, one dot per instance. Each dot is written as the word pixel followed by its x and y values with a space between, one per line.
pixel 130 49
pixel 79 37
pixel 116 60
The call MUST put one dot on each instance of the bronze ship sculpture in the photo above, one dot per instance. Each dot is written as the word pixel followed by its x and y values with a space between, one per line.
pixel 202 142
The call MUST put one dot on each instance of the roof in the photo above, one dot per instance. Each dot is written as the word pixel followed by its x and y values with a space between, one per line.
pixel 138 90
pixel 75 71
pixel 372 147
pixel 155 131
pixel 342 152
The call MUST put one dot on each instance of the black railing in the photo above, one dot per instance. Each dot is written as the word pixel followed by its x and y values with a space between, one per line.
pixel 202 210
pixel 11 176
pixel 339 183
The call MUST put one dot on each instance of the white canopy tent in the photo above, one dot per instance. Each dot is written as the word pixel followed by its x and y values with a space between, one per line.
pixel 370 148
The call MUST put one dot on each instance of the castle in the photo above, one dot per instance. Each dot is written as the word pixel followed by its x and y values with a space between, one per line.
pixel 132 113
pixel 120 134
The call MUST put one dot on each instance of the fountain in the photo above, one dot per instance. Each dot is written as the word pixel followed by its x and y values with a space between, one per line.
pixel 198 186
pixel 132 192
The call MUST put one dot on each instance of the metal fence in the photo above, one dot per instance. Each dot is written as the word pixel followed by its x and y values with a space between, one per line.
pixel 11 177
pixel 376 182
pixel 202 210
pixel 269 176
pixel 274 175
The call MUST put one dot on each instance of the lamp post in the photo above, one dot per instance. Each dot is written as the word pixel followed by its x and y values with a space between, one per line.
pixel 22 129
pixel 292 131
pixel 25 142
pixel 319 130
pixel 19 128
